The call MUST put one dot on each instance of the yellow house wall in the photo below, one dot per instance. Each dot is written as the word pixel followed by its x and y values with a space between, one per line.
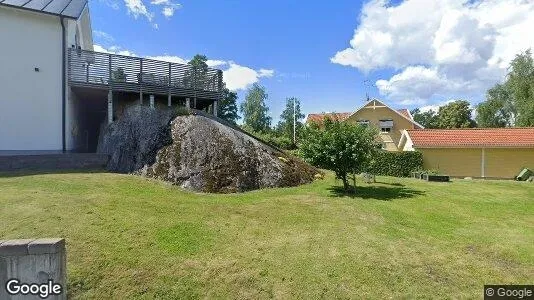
pixel 508 162
pixel 463 162
pixel 453 162
pixel 374 115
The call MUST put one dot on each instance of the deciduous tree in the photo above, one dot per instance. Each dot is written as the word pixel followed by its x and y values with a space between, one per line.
pixel 429 119
pixel 497 110
pixel 342 147
pixel 227 106
pixel 456 114
pixel 290 116
pixel 255 111
pixel 520 82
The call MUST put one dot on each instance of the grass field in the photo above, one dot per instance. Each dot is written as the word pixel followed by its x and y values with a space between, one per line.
pixel 129 237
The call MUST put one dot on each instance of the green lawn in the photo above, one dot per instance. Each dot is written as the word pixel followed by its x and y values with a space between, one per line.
pixel 130 237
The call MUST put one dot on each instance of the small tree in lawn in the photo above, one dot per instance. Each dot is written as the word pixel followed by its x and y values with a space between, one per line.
pixel 342 147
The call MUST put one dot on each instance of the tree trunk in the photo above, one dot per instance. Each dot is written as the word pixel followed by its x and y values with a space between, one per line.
pixel 346 184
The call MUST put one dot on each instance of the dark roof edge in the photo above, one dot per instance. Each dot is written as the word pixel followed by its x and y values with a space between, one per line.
pixel 44 12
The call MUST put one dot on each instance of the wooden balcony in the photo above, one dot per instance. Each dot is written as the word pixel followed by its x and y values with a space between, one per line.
pixel 113 72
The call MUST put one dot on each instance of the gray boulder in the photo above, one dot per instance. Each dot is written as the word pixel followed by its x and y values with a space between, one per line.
pixel 134 139
pixel 198 152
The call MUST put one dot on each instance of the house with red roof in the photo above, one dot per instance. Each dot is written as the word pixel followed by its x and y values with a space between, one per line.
pixel 389 121
pixel 473 152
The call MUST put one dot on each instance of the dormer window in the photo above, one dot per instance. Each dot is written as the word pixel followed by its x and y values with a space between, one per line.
pixel 385 125
pixel 363 122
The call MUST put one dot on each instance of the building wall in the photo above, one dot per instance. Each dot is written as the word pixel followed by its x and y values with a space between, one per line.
pixel 30 101
pixel 508 162
pixel 454 162
pixel 78 34
pixel 463 162
pixel 375 114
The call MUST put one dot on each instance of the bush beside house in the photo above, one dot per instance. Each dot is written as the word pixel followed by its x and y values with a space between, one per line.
pixel 398 164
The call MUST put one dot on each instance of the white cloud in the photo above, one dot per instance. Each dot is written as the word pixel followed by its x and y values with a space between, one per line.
pixel 439 48
pixel 169 58
pixel 169 7
pixel 416 83
pixel 113 50
pixel 266 73
pixel 104 36
pixel 111 3
pixel 216 63
pixel 168 11
pixel 435 107
pixel 239 77
pixel 137 8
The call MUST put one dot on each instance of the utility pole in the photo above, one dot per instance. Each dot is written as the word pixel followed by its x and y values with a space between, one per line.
pixel 367 84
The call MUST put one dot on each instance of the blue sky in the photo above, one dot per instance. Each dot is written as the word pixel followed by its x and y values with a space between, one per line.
pixel 323 53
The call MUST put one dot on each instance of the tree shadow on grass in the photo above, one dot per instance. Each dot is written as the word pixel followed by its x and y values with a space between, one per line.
pixel 392 183
pixel 378 192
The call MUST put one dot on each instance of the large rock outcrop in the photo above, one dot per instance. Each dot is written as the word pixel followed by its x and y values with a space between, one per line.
pixel 197 152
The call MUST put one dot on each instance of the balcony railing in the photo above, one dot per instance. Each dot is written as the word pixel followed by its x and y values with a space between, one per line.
pixel 136 74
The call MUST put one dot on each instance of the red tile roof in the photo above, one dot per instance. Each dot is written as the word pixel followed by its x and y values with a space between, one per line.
pixel 405 113
pixel 473 138
pixel 318 118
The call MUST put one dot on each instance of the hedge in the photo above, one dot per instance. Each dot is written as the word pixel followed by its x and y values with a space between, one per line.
pixel 398 164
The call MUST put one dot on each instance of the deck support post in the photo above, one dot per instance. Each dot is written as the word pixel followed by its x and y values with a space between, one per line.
pixel 110 106
pixel 187 103
pixel 215 108
pixel 169 100
pixel 195 103
pixel 151 101
pixel 141 98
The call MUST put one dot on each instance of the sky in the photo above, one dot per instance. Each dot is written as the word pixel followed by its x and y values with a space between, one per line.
pixel 330 55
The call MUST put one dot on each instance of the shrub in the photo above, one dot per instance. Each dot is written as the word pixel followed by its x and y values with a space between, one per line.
pixel 271 138
pixel 281 142
pixel 182 111
pixel 398 164
pixel 342 147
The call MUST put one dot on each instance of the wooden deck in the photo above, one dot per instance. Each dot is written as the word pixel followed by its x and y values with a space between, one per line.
pixel 134 74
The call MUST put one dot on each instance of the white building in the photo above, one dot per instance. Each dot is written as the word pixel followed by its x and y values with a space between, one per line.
pixel 56 92
pixel 35 109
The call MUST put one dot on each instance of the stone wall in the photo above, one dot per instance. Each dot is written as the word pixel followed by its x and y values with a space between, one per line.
pixel 64 161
